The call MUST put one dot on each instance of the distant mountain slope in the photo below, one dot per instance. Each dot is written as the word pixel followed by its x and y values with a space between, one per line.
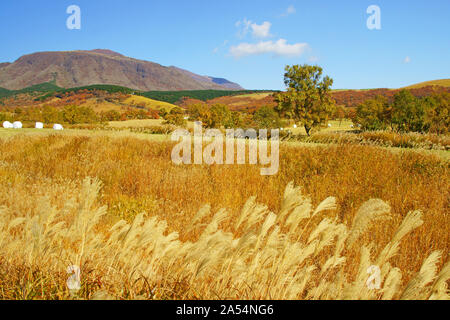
pixel 441 82
pixel 226 83
pixel 211 80
pixel 82 68
pixel 4 64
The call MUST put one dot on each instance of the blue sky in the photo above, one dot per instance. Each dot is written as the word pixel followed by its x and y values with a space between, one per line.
pixel 247 41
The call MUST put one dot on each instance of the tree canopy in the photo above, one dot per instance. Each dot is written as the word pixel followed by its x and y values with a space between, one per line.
pixel 406 113
pixel 307 100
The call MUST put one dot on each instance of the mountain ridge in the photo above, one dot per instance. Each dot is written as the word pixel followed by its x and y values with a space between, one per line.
pixel 77 68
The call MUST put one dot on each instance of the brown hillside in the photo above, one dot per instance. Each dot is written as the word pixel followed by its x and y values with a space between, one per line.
pixel 82 68
pixel 348 98
pixel 352 98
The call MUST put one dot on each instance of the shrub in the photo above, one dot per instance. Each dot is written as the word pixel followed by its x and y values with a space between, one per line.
pixel 370 114
pixel 437 109
pixel 267 118
pixel 74 115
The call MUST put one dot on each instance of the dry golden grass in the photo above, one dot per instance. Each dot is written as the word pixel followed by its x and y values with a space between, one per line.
pixel 441 82
pixel 336 126
pixel 136 231
pixel 131 101
pixel 136 123
pixel 438 144
pixel 149 103
pixel 256 96
pixel 102 106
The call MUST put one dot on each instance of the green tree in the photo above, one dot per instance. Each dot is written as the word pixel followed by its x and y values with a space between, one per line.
pixel 340 114
pixel 111 115
pixel 307 99
pixel 437 113
pixel 408 112
pixel 74 115
pixel 176 117
pixel 220 117
pixel 237 119
pixel 199 112
pixel 5 117
pixel 176 120
pixel 215 116
pixel 51 115
pixel 267 118
pixel 371 114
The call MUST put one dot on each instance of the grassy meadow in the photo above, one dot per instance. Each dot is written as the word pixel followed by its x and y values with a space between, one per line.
pixel 140 227
pixel 441 82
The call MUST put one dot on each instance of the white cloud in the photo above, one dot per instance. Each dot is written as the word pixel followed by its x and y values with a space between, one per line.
pixel 407 60
pixel 245 27
pixel 262 30
pixel 278 48
pixel 258 30
pixel 290 10
pixel 313 59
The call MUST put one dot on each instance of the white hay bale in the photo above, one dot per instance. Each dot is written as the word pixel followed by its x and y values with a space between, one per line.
pixel 57 126
pixel 7 125
pixel 329 125
pixel 39 125
pixel 17 125
pixel 295 126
